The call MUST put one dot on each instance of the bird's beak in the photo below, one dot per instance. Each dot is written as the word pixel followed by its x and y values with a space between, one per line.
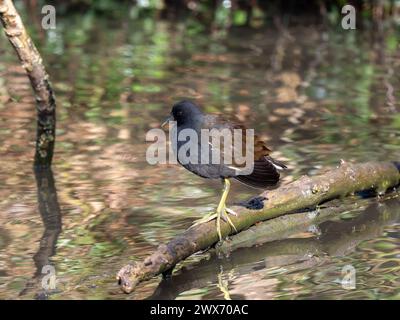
pixel 170 118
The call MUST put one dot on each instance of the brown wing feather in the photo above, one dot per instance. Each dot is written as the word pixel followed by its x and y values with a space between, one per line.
pixel 265 171
pixel 260 148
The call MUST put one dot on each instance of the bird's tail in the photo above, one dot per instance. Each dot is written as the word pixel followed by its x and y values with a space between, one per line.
pixel 264 173
pixel 277 164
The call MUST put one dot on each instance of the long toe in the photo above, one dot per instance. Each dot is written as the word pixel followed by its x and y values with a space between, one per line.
pixel 230 211
pixel 205 219
pixel 226 218
pixel 219 216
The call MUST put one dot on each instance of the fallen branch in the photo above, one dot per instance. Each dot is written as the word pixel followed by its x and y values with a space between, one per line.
pixel 306 192
pixel 283 227
pixel 338 238
pixel 32 63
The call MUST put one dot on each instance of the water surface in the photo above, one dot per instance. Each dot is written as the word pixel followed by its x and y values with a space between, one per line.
pixel 316 96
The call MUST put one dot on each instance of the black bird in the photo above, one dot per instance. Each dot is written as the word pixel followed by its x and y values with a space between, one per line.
pixel 265 169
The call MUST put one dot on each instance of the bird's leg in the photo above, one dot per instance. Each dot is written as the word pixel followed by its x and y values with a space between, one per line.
pixel 221 212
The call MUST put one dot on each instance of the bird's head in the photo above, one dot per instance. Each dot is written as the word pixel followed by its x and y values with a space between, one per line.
pixel 184 112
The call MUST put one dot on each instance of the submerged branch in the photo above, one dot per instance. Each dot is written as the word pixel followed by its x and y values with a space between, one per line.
pixel 306 192
pixel 32 63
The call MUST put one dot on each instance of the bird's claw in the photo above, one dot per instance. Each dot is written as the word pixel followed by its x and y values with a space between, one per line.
pixel 207 218
pixel 223 214
pixel 230 211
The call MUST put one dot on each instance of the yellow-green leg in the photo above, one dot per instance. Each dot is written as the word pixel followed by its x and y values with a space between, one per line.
pixel 222 211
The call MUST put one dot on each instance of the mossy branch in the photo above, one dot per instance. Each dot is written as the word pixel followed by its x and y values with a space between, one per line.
pixel 306 192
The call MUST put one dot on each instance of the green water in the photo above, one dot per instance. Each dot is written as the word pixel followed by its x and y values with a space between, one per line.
pixel 316 96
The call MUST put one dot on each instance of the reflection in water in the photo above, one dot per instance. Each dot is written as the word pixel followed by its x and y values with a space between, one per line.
pixel 51 216
pixel 337 239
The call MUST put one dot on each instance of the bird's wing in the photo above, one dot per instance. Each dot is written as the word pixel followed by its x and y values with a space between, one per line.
pixel 261 151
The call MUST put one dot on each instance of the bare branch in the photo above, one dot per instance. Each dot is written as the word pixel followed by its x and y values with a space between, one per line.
pixel 32 62
pixel 306 192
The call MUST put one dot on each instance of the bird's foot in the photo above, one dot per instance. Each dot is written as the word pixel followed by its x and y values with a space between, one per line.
pixel 220 214
pixel 206 218
pixel 224 215
pixel 231 212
